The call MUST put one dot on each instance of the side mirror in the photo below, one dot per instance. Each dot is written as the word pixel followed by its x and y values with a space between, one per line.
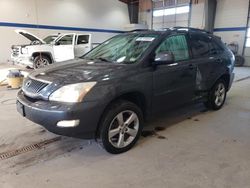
pixel 57 43
pixel 53 43
pixel 164 58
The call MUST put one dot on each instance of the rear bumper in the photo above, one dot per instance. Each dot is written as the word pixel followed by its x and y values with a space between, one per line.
pixel 48 114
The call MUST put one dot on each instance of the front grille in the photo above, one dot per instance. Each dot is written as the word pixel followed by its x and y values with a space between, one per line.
pixel 33 86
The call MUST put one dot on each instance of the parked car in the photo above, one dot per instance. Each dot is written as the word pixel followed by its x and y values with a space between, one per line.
pixel 108 93
pixel 51 49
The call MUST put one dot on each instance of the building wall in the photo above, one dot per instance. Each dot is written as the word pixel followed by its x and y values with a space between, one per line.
pixel 145 12
pixel 110 16
pixel 198 14
pixel 231 21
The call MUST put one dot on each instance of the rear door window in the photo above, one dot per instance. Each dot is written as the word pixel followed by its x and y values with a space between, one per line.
pixel 177 45
pixel 200 45
pixel 204 46
pixel 82 39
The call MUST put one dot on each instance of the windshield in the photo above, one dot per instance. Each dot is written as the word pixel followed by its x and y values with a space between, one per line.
pixel 122 48
pixel 50 38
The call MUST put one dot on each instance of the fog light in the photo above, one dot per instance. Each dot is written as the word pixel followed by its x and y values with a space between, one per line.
pixel 68 123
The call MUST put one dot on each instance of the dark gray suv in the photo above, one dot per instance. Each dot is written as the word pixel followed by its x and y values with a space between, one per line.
pixel 108 93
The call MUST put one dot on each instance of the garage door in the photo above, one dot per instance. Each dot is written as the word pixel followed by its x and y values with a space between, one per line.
pixel 170 13
pixel 247 43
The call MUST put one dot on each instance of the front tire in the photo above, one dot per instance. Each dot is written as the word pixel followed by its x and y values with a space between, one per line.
pixel 217 95
pixel 121 127
pixel 41 61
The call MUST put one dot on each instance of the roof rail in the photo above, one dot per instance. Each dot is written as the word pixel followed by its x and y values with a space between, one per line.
pixel 137 30
pixel 189 29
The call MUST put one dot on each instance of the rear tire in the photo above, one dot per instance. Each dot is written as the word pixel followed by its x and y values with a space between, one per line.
pixel 217 95
pixel 41 61
pixel 121 127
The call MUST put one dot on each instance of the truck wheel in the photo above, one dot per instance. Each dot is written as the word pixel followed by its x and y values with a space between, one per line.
pixel 41 61
pixel 239 60
pixel 217 96
pixel 121 127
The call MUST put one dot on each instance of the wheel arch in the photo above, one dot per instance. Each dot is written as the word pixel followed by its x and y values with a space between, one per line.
pixel 47 54
pixel 135 97
pixel 226 78
pixel 211 98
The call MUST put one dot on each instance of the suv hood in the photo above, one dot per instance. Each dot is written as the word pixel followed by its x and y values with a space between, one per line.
pixel 29 36
pixel 79 70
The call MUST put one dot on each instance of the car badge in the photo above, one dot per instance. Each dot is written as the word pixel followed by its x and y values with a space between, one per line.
pixel 28 83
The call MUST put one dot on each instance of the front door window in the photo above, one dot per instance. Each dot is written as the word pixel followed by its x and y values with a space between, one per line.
pixel 177 45
pixel 64 48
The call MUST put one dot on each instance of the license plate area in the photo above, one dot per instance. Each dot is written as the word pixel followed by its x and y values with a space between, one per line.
pixel 20 108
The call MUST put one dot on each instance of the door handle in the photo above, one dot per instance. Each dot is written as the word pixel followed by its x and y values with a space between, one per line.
pixel 219 60
pixel 191 66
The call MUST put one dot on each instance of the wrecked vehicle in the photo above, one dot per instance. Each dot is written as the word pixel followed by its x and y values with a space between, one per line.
pixel 52 49
pixel 108 93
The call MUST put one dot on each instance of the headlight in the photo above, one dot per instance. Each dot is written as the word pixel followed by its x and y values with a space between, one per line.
pixel 72 92
pixel 24 50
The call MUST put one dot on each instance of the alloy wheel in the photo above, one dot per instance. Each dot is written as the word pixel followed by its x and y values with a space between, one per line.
pixel 42 62
pixel 123 129
pixel 220 93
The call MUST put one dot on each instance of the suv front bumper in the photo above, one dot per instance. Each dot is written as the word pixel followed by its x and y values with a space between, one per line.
pixel 25 61
pixel 48 114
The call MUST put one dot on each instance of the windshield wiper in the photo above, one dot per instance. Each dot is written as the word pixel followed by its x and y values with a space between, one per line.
pixel 127 62
pixel 104 59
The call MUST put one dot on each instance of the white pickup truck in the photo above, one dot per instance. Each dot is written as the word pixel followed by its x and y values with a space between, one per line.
pixel 54 48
